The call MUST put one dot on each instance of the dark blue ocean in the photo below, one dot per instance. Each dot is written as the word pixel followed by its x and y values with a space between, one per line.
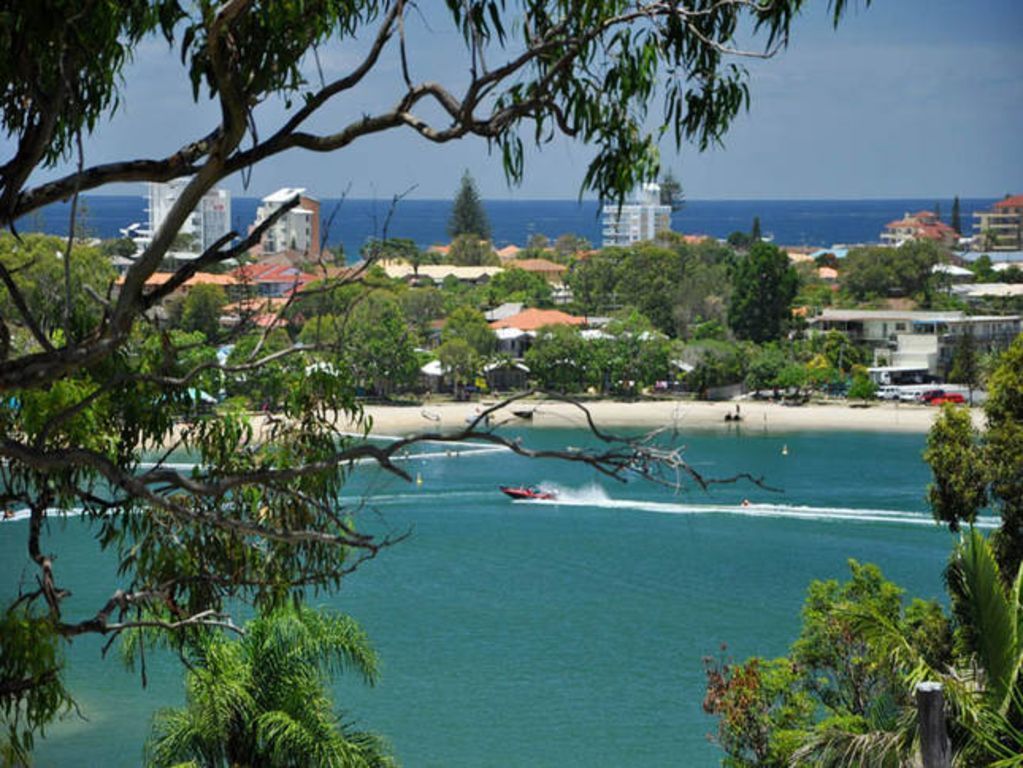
pixel 790 222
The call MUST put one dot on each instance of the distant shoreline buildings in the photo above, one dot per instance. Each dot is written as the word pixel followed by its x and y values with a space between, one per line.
pixel 1001 228
pixel 923 225
pixel 208 223
pixel 297 232
pixel 643 218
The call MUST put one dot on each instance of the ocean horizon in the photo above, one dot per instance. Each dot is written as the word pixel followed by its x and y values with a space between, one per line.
pixel 820 223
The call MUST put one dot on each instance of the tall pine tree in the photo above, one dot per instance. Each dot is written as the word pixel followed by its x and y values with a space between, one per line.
pixel 956 223
pixel 755 234
pixel 467 214
pixel 671 192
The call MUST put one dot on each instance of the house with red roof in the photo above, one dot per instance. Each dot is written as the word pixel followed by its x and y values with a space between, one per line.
pixel 550 271
pixel 922 225
pixel 515 333
pixel 533 319
pixel 273 280
pixel 228 282
pixel 1001 228
pixel 507 253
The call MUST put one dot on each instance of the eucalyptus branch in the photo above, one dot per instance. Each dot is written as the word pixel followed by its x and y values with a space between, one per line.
pixel 23 310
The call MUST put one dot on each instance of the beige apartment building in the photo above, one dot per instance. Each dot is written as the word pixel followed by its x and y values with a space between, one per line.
pixel 1001 228
pixel 919 340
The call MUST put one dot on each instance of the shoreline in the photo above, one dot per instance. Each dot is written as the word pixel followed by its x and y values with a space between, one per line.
pixel 648 415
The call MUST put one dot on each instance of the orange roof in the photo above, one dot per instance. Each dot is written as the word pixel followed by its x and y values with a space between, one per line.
pixel 534 319
pixel 695 239
pixel 902 223
pixel 439 249
pixel 508 252
pixel 537 265
pixel 199 278
pixel 273 273
pixel 1015 201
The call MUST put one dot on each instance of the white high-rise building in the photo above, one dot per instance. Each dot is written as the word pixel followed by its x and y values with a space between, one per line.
pixel 635 221
pixel 209 222
pixel 298 230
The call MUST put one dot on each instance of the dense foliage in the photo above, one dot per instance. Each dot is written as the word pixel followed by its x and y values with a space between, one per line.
pixel 844 695
pixel 264 699
pixel 971 469
pixel 764 286
pixel 468 216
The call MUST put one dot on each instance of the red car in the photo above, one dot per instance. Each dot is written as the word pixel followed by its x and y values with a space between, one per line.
pixel 948 397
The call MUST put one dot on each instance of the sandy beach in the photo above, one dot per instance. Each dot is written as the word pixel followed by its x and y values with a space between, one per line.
pixel 680 414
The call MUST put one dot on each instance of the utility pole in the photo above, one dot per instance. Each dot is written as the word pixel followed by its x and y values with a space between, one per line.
pixel 935 751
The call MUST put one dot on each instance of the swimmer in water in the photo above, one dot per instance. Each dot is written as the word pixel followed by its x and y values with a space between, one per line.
pixel 745 502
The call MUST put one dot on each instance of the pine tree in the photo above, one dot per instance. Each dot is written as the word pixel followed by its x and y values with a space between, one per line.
pixel 956 223
pixel 467 214
pixel 671 192
pixel 755 234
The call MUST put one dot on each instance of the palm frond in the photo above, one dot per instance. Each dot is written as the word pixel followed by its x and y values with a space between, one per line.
pixel 264 699
pixel 840 743
pixel 991 614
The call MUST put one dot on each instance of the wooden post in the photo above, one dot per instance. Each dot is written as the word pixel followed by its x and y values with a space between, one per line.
pixel 935 751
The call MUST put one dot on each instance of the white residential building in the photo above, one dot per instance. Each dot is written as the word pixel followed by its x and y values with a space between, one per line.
pixel 641 219
pixel 209 222
pixel 917 340
pixel 298 230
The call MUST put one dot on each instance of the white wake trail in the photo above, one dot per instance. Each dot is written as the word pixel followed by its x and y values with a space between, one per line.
pixel 595 496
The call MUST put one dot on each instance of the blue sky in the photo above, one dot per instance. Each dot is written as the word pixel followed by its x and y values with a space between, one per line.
pixel 906 98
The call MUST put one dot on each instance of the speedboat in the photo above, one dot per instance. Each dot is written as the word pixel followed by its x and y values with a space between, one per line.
pixel 527 494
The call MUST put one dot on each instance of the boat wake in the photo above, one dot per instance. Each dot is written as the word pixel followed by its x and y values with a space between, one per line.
pixel 24 514
pixel 595 496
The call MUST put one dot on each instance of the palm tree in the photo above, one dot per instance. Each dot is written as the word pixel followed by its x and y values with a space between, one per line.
pixel 982 686
pixel 263 700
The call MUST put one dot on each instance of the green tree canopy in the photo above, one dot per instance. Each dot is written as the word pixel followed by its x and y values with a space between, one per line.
pixel 379 346
pixel 514 284
pixel 559 359
pixel 459 360
pixel 202 309
pixel 671 192
pixel 468 216
pixel 874 272
pixel 469 325
pixel 471 251
pixel 264 699
pixel 764 287
pixel 969 469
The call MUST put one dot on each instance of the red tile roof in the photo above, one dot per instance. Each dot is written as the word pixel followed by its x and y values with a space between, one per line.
pixel 534 319
pixel 199 278
pixel 536 265
pixel 272 273
pixel 1015 201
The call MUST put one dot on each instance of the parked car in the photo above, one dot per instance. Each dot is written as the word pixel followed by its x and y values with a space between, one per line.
pixel 928 395
pixel 948 397
pixel 888 392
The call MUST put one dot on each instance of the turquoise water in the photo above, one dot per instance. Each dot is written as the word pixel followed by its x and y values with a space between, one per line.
pixel 564 634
